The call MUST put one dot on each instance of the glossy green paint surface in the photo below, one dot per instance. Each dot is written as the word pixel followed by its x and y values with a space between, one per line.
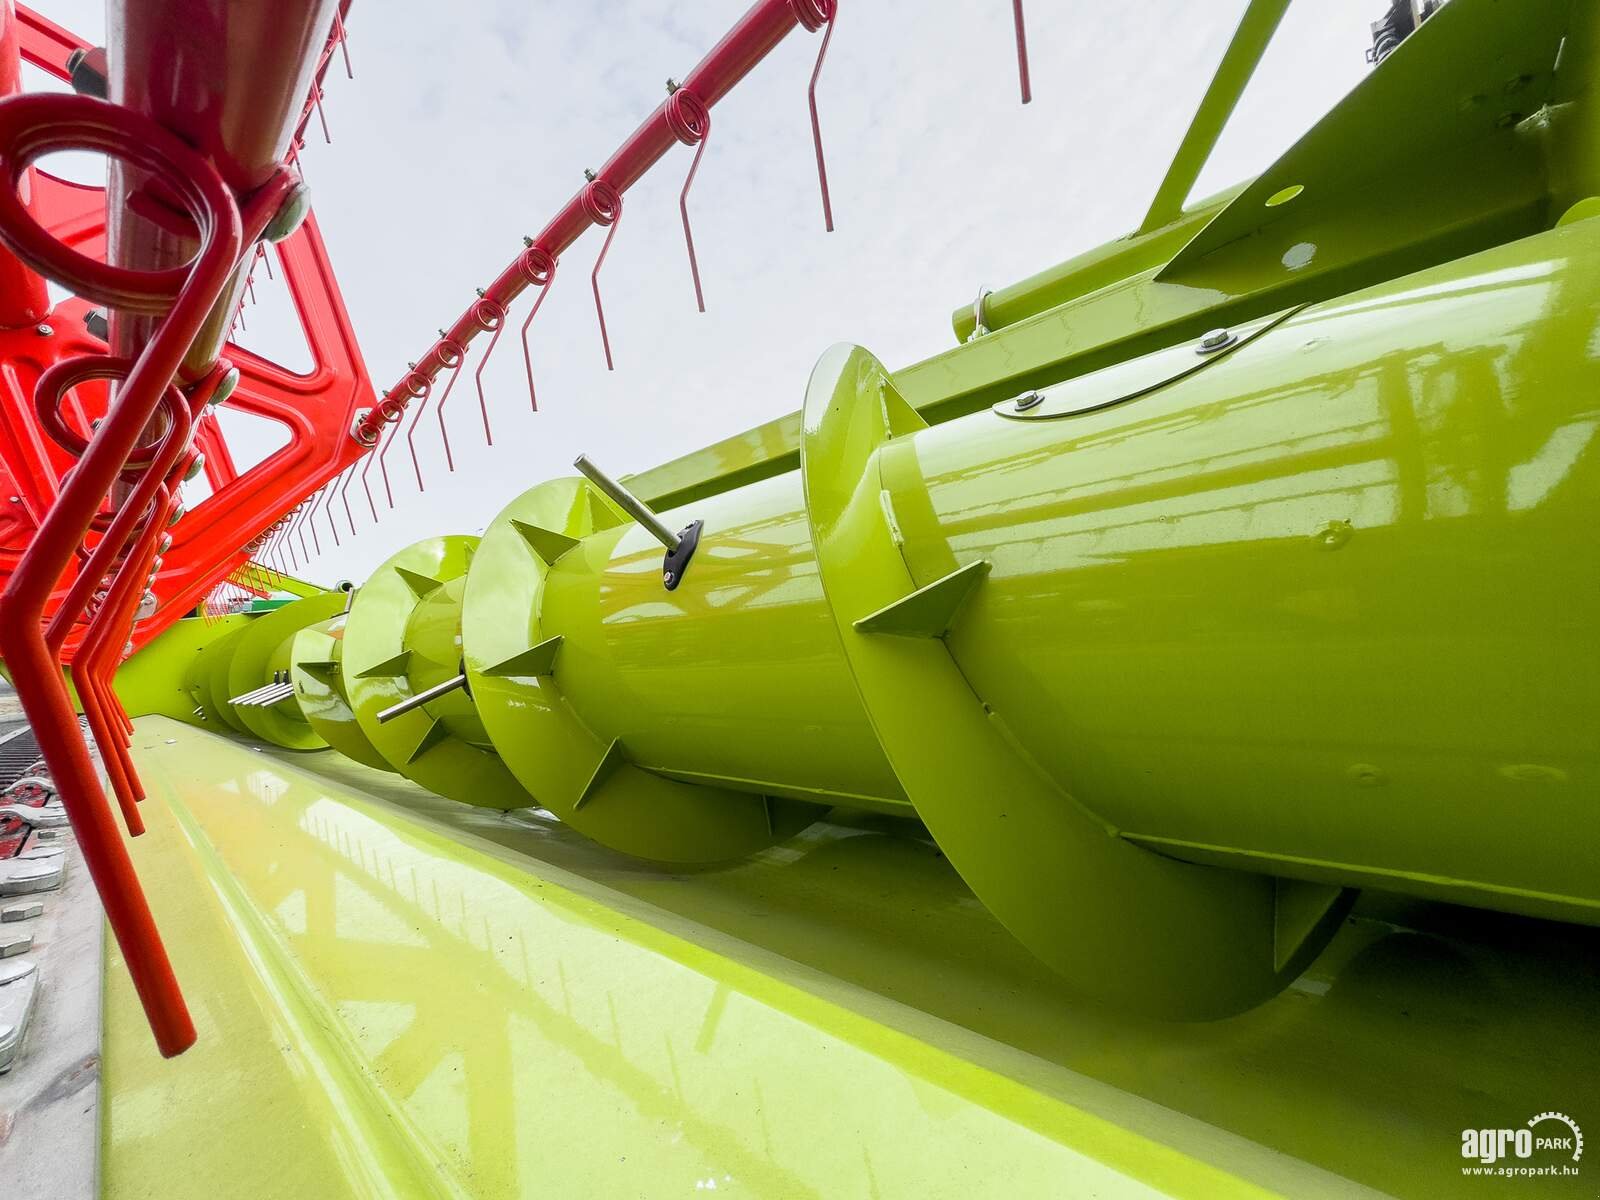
pixel 263 651
pixel 417 998
pixel 316 670
pixel 582 772
pixel 207 677
pixel 161 676
pixel 1315 609
pixel 403 636
pixel 1123 926
pixel 733 679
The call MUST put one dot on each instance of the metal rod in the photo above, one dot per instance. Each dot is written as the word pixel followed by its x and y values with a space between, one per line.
pixel 421 698
pixel 1238 64
pixel 626 500
pixel 277 694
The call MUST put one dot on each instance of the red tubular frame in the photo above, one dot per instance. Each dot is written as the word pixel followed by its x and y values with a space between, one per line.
pixel 317 408
pixel 23 298
pixel 31 126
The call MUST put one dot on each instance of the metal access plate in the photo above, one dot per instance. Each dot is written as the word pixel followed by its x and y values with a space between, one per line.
pixel 1134 378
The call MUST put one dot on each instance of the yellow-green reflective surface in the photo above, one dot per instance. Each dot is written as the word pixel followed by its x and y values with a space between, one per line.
pixel 401 996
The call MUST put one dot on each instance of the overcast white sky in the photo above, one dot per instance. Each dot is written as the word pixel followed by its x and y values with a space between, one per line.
pixel 468 125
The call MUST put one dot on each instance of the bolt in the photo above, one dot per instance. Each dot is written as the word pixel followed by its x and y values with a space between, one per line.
pixel 1031 400
pixel 672 85
pixel 589 175
pixel 668 578
pixel 527 241
pixel 43 330
pixel 481 292
pixel 16 499
pixel 1214 340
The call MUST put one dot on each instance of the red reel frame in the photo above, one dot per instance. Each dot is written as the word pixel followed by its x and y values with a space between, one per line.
pixel 318 408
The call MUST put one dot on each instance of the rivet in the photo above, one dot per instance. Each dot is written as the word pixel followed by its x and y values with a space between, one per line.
pixel 1366 775
pixel 1334 534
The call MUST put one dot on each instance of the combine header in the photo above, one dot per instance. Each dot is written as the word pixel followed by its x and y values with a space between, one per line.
pixel 1211 579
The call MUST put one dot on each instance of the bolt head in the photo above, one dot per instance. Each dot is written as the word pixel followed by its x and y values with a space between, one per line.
pixel 1216 339
pixel 43 330
pixel 1031 400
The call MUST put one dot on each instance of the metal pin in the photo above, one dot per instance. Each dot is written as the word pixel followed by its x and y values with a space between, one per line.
pixel 628 502
pixel 421 698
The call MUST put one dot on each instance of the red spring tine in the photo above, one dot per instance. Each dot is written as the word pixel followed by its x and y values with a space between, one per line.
pixel 491 317
pixel 344 495
pixel 266 259
pixel 690 122
pixel 813 15
pixel 538 267
pixel 419 385
pixel 344 44
pixel 366 488
pixel 316 99
pixel 279 562
pixel 452 355
pixel 391 415
pixel 327 508
pixel 1022 53
pixel 311 522
pixel 603 205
